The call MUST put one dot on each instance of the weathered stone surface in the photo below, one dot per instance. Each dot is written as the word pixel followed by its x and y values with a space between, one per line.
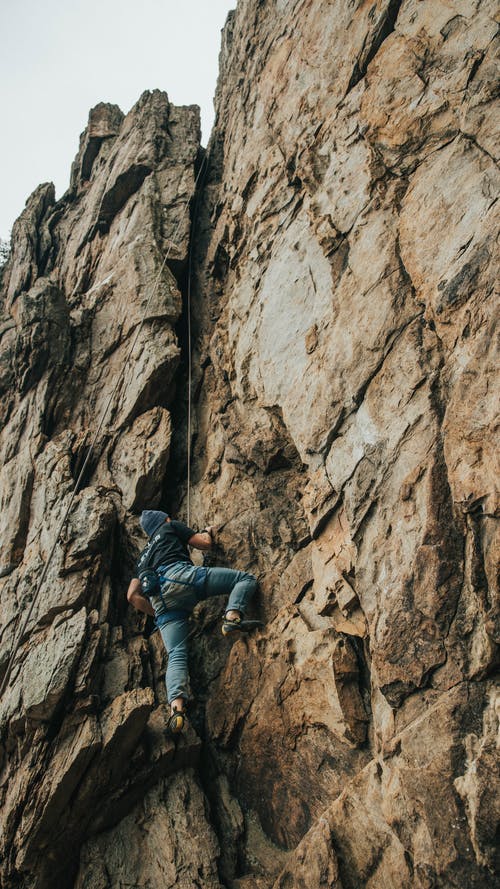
pixel 140 459
pixel 16 478
pixel 37 686
pixel 155 845
pixel 83 717
pixel 49 808
pixel 31 237
pixel 346 287
pixel 391 825
pixel 314 863
pixel 105 122
pixel 343 446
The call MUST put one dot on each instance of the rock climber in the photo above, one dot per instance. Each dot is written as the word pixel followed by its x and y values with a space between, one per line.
pixel 167 586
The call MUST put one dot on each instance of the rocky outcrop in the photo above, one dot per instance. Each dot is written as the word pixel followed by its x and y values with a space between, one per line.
pixel 345 335
pixel 83 716
pixel 343 437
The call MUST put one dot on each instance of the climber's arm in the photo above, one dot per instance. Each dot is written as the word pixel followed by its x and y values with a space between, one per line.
pixel 135 597
pixel 202 539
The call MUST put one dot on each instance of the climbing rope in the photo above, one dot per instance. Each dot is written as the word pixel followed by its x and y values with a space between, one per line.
pixel 190 375
pixel 107 406
pixel 190 348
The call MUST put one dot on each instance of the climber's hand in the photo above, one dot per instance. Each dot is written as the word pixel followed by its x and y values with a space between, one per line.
pixel 202 539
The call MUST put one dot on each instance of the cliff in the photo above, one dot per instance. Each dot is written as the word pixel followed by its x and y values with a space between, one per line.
pixel 338 253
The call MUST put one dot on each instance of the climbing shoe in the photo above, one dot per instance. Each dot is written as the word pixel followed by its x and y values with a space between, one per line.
pixel 176 722
pixel 239 625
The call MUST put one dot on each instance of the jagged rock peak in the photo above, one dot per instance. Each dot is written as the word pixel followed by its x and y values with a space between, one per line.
pixel 82 272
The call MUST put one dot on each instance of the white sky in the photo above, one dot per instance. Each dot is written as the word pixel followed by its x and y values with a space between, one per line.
pixel 59 58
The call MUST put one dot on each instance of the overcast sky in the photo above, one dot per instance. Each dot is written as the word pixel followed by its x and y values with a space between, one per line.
pixel 59 58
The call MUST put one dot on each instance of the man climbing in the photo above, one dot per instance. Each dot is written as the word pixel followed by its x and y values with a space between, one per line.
pixel 167 586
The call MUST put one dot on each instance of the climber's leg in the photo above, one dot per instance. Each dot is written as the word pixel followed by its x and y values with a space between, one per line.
pixel 174 635
pixel 240 586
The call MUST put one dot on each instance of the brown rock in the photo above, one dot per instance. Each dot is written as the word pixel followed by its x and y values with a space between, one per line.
pixel 155 842
pixel 80 743
pixel 343 445
pixel 140 459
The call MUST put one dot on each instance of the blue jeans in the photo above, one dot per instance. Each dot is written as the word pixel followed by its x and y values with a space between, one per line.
pixel 240 587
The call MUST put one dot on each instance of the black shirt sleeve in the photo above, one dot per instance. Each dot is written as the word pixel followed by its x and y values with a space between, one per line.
pixel 182 531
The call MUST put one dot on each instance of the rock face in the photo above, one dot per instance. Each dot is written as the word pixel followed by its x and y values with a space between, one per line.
pixel 343 445
pixel 83 717
pixel 345 331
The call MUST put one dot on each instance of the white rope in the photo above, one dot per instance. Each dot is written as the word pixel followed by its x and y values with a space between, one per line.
pixel 96 435
pixel 190 373
pixel 190 356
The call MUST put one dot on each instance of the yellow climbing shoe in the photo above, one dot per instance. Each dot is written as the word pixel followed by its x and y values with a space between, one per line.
pixel 239 625
pixel 176 722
